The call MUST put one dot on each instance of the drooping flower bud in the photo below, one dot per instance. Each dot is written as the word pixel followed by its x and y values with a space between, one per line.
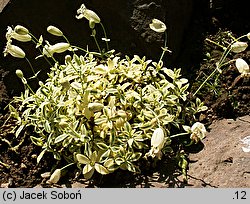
pixel 157 26
pixel 21 30
pixel 238 47
pixel 19 73
pixel 54 31
pixel 242 66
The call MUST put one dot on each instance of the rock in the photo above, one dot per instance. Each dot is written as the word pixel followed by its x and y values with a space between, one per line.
pixel 222 163
pixel 3 3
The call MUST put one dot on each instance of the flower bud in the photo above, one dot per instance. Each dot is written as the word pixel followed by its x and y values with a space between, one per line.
pixel 21 38
pixel 59 47
pixel 55 177
pixel 54 31
pixel 68 59
pixel 21 30
pixel 242 66
pixel 158 26
pixel 238 47
pixel 15 51
pixel 19 73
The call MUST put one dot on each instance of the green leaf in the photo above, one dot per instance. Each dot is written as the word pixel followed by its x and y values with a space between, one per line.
pixel 101 169
pixel 135 156
pixel 47 127
pixel 87 168
pixel 60 138
pixel 36 141
pixel 67 141
pixel 18 131
pixel 102 145
pixel 82 159
pixel 40 156
pixel 119 161
pixel 131 167
pixel 90 172
pixel 76 85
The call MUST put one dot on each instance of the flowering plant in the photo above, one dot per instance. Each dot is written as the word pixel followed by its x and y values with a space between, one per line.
pixel 104 112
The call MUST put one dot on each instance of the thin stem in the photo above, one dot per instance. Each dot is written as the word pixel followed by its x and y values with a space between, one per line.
pixel 97 44
pixel 180 134
pixel 105 35
pixel 35 75
pixel 211 41
pixel 220 63
pixel 68 42
pixel 164 50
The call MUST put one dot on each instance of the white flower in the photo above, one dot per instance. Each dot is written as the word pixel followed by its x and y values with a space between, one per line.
pixel 238 47
pixel 246 141
pixel 198 131
pixel 157 143
pixel 54 31
pixel 242 66
pixel 158 26
pixel 91 16
pixel 55 177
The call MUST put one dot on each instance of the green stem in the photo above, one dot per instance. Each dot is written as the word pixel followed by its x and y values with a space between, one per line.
pixel 105 35
pixel 180 134
pixel 35 75
pixel 220 63
pixel 164 50
pixel 97 44
pixel 67 166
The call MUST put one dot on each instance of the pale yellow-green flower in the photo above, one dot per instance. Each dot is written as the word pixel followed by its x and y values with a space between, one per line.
pixel 14 50
pixel 21 38
pixel 242 66
pixel 49 50
pixel 157 26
